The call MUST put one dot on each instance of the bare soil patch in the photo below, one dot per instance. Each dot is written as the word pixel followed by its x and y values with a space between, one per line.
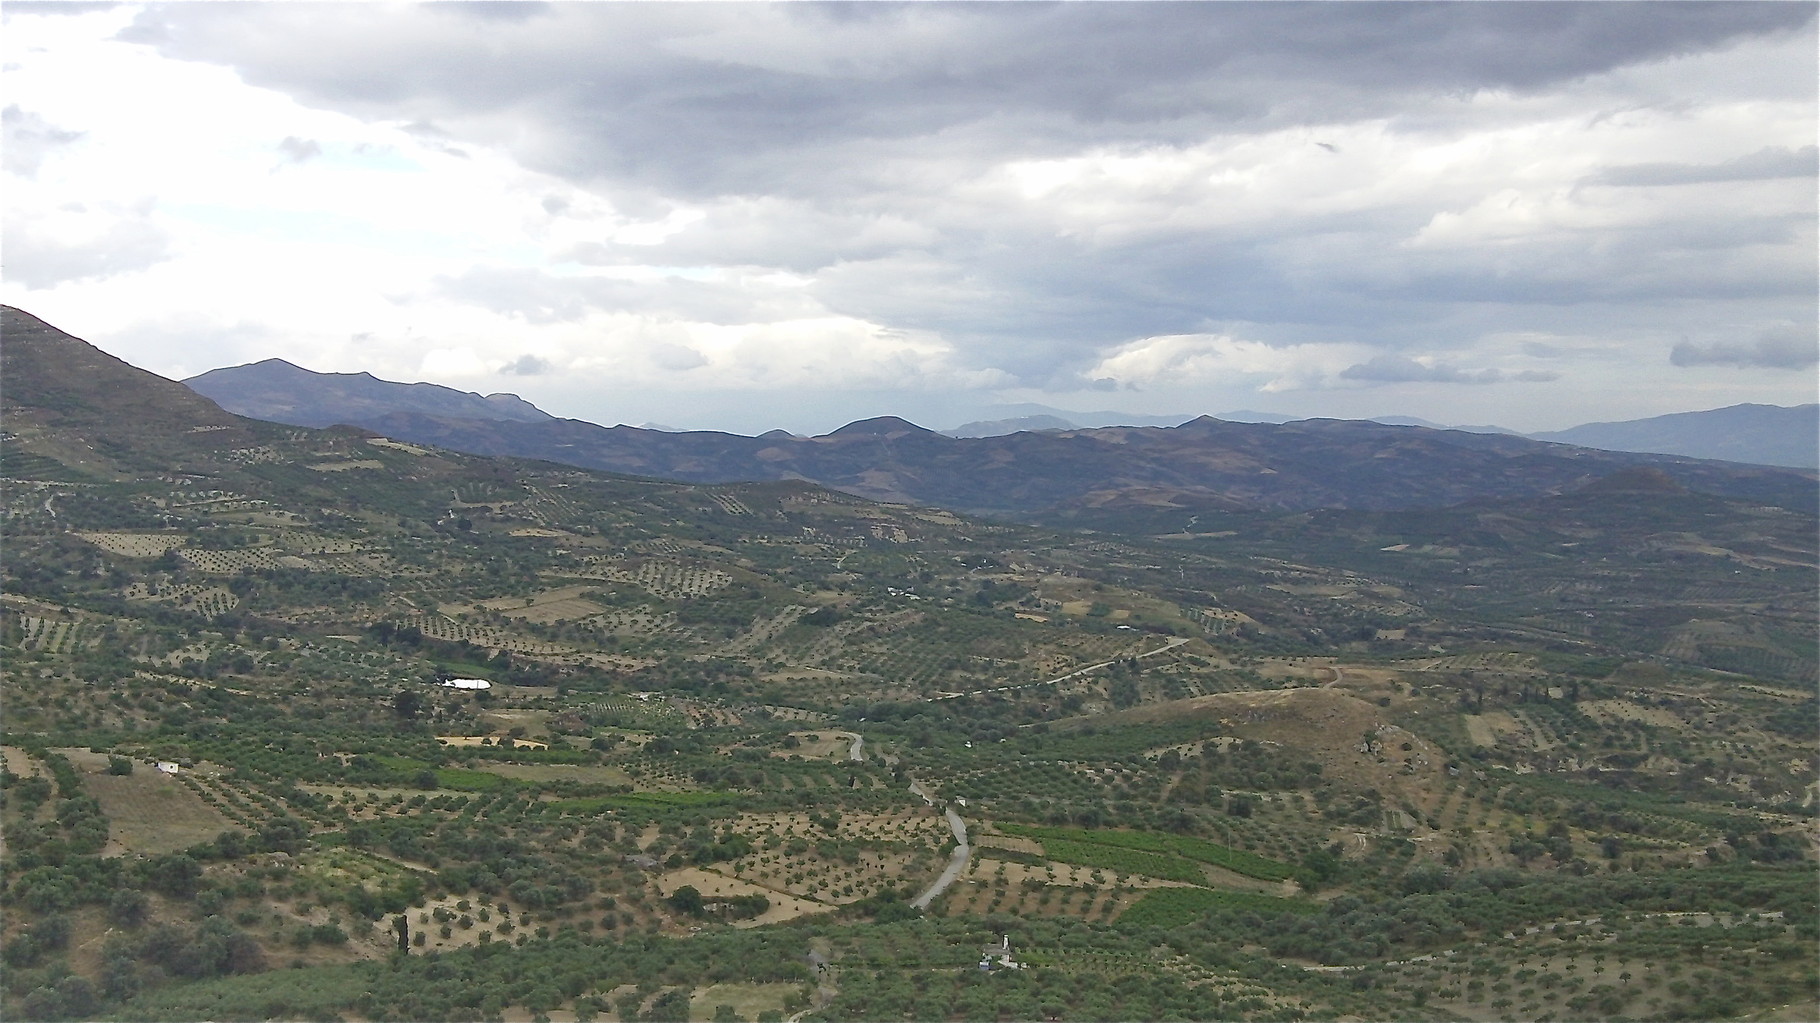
pixel 150 812
pixel 18 761
pixel 1487 729
pixel 1348 736
pixel 135 545
pixel 489 740
pixel 818 746
pixel 980 893
pixel 1625 710
pixel 563 603
pixel 714 885
pixel 748 1000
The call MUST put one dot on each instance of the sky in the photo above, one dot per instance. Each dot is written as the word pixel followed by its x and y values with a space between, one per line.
pixel 747 216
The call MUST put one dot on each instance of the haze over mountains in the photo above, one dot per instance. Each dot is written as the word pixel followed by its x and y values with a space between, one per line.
pixel 1763 434
pixel 1163 476
pixel 278 391
pixel 1077 475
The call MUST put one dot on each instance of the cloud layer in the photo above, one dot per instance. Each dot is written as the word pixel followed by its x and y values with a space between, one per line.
pixel 1573 208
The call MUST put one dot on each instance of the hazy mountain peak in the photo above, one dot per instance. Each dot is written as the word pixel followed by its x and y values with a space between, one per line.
pixel 881 426
pixel 283 392
pixel 1759 434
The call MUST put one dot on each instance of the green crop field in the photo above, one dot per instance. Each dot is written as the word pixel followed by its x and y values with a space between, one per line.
pixel 1062 843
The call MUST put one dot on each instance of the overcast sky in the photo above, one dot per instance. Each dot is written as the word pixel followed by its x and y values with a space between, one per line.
pixel 745 216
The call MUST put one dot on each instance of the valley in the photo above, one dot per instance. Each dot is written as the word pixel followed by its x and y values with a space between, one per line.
pixel 1518 751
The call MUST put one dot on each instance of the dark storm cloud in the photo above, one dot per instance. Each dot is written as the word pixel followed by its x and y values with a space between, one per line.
pixel 712 100
pixel 1785 347
pixel 849 143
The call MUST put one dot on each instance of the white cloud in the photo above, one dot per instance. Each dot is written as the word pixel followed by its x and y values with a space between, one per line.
pixel 1188 203
pixel 76 242
pixel 1191 359
pixel 1397 369
pixel 30 139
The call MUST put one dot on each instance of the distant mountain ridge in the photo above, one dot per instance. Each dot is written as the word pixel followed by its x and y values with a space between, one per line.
pixel 1023 416
pixel 1758 434
pixel 1073 474
pixel 280 392
pixel 1203 465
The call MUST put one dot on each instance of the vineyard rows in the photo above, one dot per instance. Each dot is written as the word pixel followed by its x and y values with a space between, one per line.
pixel 1172 907
pixel 228 562
pixel 730 504
pixel 59 636
pixel 764 629
pixel 208 600
pixel 451 631
pixel 1068 842
pixel 134 545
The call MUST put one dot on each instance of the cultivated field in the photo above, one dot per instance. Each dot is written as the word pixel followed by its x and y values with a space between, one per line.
pixel 135 545
pixel 148 812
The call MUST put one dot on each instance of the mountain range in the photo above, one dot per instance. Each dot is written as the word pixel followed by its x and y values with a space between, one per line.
pixel 1061 472
pixel 278 391
pixel 1024 416
pixel 1165 477
pixel 1188 758
pixel 1763 434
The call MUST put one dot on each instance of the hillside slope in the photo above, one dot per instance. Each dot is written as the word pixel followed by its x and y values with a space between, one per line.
pixel 1758 434
pixel 278 391
pixel 1206 463
pixel 56 388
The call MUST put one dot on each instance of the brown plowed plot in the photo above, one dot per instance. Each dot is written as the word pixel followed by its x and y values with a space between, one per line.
pixel 149 812
pixel 1011 843
pixel 1330 725
pixel 19 762
pixel 818 746
pixel 558 605
pixel 229 562
pixel 1624 710
pixel 714 885
pixel 1025 891
pixel 865 854
pixel 134 545
pixel 1489 728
